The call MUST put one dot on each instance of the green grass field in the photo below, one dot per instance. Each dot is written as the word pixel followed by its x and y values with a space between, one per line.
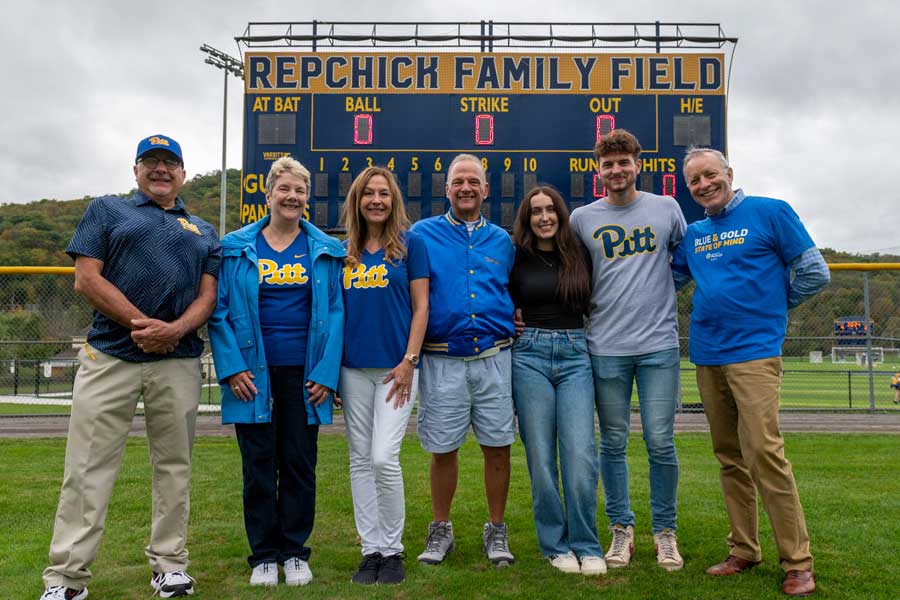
pixel 849 485
pixel 824 385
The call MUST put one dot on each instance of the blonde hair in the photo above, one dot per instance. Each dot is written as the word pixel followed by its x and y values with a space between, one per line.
pixel 392 238
pixel 287 164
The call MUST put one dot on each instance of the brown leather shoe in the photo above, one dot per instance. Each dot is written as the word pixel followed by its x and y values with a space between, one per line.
pixel 731 566
pixel 799 583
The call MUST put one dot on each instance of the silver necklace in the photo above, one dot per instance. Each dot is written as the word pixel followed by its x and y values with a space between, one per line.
pixel 549 263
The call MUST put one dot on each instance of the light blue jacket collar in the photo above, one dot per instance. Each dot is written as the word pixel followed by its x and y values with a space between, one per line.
pixel 244 240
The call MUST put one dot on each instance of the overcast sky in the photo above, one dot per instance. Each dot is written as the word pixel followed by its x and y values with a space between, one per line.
pixel 813 107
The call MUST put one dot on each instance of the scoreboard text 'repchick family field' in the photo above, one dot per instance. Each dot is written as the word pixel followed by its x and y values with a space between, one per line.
pixel 531 118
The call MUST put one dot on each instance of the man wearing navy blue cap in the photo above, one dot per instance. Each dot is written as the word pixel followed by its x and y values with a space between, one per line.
pixel 148 267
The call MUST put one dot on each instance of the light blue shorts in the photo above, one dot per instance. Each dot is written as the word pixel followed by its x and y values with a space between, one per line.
pixel 454 393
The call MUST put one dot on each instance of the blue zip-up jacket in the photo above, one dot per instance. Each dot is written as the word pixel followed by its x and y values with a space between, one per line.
pixel 236 337
pixel 470 310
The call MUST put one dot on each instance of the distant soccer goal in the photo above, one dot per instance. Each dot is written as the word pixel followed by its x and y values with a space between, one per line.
pixel 856 354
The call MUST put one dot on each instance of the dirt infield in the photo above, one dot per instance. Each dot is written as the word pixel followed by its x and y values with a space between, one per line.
pixel 57 426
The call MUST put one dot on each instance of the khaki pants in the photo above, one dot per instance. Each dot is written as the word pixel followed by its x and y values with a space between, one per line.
pixel 741 401
pixel 104 400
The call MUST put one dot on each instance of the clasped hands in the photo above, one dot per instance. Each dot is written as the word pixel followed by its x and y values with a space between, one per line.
pixel 154 336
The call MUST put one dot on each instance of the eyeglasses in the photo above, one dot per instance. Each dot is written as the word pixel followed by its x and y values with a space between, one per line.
pixel 151 162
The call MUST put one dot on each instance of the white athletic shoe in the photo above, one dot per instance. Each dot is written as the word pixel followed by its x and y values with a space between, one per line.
pixel 265 574
pixel 593 565
pixel 565 563
pixel 172 584
pixel 61 592
pixel 296 572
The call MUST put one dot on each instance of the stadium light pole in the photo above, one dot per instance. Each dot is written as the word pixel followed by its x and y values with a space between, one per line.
pixel 231 66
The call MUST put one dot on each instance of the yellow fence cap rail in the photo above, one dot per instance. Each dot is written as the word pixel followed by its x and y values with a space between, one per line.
pixel 864 266
pixel 849 266
pixel 37 270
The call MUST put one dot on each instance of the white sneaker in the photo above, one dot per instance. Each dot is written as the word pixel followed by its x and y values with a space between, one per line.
pixel 567 563
pixel 621 548
pixel 296 572
pixel 172 584
pixel 61 592
pixel 265 574
pixel 666 547
pixel 593 565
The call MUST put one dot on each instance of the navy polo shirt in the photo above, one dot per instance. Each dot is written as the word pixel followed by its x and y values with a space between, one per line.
pixel 155 257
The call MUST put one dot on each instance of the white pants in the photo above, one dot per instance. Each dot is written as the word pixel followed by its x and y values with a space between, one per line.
pixel 375 430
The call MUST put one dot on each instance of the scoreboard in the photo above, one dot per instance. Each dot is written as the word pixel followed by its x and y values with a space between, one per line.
pixel 531 118
pixel 852 331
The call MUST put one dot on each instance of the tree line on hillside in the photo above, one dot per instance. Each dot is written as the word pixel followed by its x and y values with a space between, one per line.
pixel 36 234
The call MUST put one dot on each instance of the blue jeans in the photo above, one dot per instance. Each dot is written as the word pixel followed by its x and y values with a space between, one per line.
pixel 553 392
pixel 657 376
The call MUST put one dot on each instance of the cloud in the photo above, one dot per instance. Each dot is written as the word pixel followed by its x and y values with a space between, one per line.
pixel 812 114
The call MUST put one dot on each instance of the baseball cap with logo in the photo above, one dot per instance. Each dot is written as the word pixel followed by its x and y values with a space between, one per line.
pixel 158 142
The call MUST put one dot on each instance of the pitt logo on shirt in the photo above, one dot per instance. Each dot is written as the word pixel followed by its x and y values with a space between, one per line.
pixel 618 245
pixel 185 224
pixel 270 272
pixel 361 277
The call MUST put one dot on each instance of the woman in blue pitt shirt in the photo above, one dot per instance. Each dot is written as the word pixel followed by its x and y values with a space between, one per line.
pixel 553 386
pixel 385 283
pixel 276 335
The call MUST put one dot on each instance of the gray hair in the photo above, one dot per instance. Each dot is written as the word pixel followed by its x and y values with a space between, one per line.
pixel 467 158
pixel 287 164
pixel 693 153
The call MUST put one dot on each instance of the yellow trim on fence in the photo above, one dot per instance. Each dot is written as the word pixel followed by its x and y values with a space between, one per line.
pixel 37 270
pixel 864 266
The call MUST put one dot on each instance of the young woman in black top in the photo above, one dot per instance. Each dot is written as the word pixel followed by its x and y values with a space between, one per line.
pixel 553 387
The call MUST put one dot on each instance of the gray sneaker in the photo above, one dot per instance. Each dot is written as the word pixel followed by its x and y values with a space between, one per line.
pixel 496 544
pixel 439 543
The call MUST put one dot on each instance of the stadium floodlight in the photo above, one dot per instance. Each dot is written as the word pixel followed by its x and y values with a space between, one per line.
pixel 230 66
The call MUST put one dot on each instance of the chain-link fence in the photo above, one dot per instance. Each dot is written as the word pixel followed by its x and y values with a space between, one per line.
pixel 842 349
pixel 43 325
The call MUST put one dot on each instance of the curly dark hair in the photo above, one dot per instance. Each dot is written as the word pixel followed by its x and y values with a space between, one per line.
pixel 617 141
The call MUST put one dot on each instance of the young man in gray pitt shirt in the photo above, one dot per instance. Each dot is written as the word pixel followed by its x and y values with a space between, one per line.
pixel 633 336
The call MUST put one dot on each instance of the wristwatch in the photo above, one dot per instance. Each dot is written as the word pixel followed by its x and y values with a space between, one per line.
pixel 412 358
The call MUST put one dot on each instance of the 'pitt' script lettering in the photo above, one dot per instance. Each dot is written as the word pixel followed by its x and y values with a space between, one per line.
pixel 293 274
pixel 360 277
pixel 616 244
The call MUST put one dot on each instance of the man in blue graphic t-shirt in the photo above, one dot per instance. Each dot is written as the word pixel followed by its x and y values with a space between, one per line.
pixel 149 269
pixel 752 260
